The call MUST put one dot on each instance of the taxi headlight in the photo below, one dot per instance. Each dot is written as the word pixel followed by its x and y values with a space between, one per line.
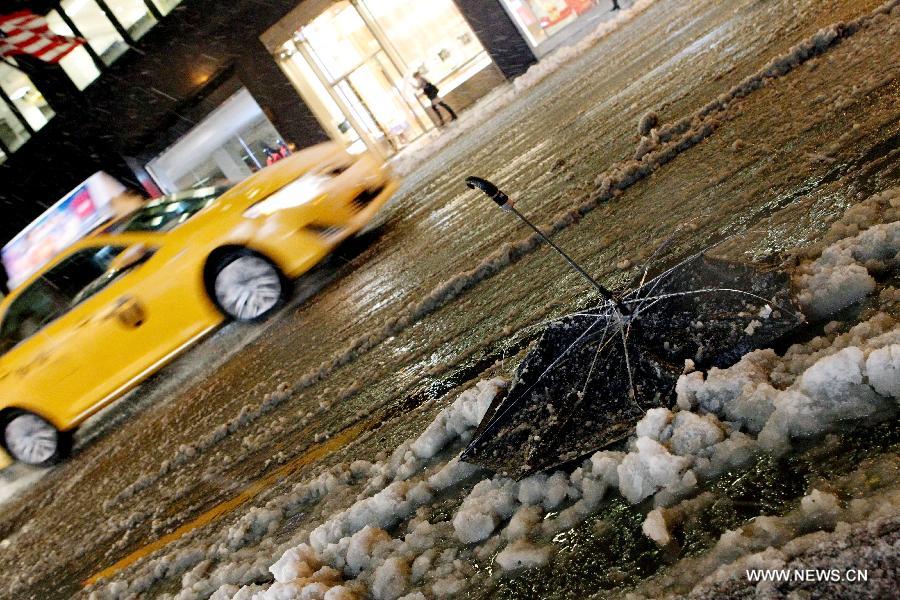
pixel 302 190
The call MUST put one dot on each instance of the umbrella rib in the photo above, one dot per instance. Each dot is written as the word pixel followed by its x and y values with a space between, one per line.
pixel 656 253
pixel 656 299
pixel 658 279
pixel 632 391
pixel 564 317
pixel 689 258
pixel 509 407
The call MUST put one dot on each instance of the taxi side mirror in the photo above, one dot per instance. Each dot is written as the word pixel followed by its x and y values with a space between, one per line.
pixel 130 257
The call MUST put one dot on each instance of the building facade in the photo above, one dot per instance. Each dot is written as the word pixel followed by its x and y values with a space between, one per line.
pixel 174 94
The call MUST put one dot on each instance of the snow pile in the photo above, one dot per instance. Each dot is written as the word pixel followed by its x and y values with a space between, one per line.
pixel 354 550
pixel 661 519
pixel 843 274
pixel 648 470
pixel 673 451
pixel 883 371
pixel 862 245
pixel 489 503
pixel 523 555
pixel 352 543
pixel 809 390
pixel 458 420
pixel 833 389
pixel 770 542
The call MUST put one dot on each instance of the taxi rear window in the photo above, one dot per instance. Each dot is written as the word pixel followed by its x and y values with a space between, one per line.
pixel 168 212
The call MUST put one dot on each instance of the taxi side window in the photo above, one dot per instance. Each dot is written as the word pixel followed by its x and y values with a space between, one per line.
pixel 51 296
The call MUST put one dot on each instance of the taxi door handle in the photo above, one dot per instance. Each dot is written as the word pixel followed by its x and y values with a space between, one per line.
pixel 128 312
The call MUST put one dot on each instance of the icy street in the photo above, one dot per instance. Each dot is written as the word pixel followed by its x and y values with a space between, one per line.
pixel 309 457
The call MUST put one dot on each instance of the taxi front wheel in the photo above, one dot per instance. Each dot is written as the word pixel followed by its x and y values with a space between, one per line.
pixel 247 286
pixel 32 440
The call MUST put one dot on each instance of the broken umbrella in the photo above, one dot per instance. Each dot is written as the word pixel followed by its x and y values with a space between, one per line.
pixel 594 374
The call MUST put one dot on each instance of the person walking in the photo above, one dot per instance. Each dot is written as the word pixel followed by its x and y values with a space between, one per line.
pixel 434 96
pixel 616 5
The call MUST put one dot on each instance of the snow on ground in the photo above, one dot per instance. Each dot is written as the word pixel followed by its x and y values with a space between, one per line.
pixel 822 520
pixel 247 552
pixel 395 541
pixel 16 478
pixel 845 272
pixel 664 144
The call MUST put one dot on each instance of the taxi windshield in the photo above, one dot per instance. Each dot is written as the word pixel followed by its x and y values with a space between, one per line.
pixel 168 212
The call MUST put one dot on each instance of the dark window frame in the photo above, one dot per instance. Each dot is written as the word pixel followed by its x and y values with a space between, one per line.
pixel 62 304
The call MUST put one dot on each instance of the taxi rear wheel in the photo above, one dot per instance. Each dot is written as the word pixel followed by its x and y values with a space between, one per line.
pixel 246 286
pixel 32 440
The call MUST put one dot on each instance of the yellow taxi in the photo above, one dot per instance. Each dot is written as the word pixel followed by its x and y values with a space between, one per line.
pixel 115 307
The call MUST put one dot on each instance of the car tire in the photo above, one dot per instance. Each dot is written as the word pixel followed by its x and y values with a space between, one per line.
pixel 246 286
pixel 33 440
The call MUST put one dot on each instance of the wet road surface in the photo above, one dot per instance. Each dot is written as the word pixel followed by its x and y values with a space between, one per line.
pixel 381 328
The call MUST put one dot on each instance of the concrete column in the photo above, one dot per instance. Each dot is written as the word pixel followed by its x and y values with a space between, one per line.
pixel 294 120
pixel 499 35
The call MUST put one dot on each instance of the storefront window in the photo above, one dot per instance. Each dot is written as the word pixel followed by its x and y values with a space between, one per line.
pixel 227 146
pixel 447 49
pixel 133 15
pixel 540 19
pixel 27 99
pixel 354 65
pixel 77 64
pixel 317 97
pixel 340 40
pixel 12 131
pixel 166 6
pixel 94 25
pixel 342 47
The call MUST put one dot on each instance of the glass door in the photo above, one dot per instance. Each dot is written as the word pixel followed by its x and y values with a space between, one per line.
pixel 345 53
pixel 378 103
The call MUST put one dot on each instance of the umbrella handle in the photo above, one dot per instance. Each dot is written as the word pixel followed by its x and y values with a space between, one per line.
pixel 503 201
pixel 490 190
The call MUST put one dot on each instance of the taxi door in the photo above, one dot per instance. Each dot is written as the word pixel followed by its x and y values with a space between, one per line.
pixel 119 328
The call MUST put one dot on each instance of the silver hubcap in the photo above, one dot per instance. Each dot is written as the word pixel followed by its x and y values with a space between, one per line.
pixel 248 287
pixel 31 439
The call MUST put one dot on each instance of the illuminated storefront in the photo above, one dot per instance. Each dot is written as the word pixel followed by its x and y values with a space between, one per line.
pixel 542 21
pixel 353 63
pixel 228 145
pixel 163 96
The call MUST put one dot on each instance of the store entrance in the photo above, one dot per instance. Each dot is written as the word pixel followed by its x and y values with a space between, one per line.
pixel 345 53
pixel 353 63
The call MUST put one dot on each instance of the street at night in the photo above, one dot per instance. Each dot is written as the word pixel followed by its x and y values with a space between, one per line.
pixel 312 450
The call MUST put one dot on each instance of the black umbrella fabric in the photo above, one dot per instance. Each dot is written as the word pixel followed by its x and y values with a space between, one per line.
pixel 594 374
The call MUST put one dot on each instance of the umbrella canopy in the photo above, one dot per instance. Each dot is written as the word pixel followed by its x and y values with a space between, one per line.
pixel 594 374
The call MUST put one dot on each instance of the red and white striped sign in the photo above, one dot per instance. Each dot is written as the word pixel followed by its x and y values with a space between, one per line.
pixel 24 32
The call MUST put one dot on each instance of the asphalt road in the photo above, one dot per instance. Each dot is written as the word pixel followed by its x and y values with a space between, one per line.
pixel 427 302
